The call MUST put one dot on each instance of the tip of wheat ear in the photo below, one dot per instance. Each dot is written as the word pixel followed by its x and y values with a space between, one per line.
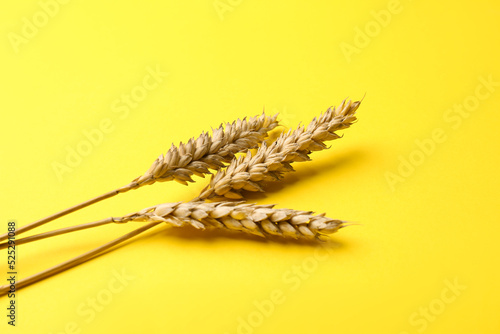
pixel 261 220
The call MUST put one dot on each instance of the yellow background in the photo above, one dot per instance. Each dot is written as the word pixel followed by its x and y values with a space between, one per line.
pixel 434 226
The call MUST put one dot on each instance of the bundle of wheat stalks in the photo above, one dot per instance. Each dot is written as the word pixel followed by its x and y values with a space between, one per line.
pixel 221 203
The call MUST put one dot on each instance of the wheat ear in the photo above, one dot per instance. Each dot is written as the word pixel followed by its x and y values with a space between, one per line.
pixel 197 156
pixel 255 219
pixel 206 152
pixel 270 162
pixel 261 220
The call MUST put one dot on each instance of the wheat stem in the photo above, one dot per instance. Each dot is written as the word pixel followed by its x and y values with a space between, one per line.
pixel 75 261
pixel 59 232
pixel 255 219
pixel 261 220
pixel 62 213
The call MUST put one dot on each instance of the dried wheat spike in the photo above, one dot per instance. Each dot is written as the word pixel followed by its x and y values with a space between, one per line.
pixel 270 162
pixel 255 219
pixel 206 152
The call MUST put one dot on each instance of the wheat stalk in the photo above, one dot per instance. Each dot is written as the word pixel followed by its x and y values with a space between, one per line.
pixel 270 162
pixel 4 289
pixel 261 220
pixel 197 156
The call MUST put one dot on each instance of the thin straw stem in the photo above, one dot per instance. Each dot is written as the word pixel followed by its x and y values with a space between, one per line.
pixel 62 213
pixel 59 232
pixel 75 261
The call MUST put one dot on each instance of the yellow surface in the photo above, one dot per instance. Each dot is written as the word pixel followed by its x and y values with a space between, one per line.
pixel 419 171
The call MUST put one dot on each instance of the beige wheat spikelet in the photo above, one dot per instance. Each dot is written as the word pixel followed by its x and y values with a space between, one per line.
pixel 261 220
pixel 206 152
pixel 270 162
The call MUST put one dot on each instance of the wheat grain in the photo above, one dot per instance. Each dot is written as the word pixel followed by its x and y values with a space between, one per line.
pixel 270 162
pixel 255 219
pixel 206 152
